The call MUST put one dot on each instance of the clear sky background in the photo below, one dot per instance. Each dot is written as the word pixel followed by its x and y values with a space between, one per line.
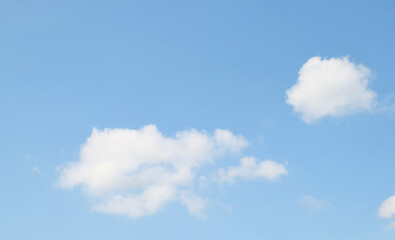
pixel 69 66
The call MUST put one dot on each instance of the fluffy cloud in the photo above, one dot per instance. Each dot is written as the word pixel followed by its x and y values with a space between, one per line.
pixel 387 208
pixel 136 172
pixel 331 87
pixel 250 168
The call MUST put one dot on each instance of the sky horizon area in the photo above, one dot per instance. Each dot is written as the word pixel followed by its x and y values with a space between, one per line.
pixel 197 120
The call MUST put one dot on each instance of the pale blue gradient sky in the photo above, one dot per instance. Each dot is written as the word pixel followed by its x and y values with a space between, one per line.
pixel 69 66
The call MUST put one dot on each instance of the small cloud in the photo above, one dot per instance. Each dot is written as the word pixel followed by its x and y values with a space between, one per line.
pixel 313 203
pixel 387 208
pixel 193 203
pixel 331 87
pixel 250 168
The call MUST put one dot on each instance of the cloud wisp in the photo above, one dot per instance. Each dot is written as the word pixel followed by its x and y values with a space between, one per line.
pixel 391 226
pixel 313 203
pixel 331 87
pixel 135 172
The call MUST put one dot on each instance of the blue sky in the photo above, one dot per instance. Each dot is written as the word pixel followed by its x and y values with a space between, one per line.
pixel 68 67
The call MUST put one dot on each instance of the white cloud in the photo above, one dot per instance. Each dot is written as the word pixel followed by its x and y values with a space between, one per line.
pixel 136 172
pixel 313 203
pixel 193 203
pixel 387 208
pixel 140 204
pixel 250 168
pixel 331 87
